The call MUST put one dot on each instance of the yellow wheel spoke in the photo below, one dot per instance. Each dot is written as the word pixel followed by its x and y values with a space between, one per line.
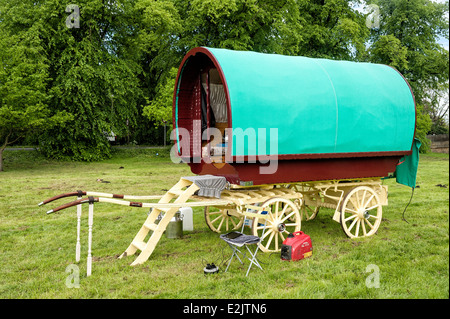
pixel 291 224
pixel 357 228
pixel 270 240
pixel 351 210
pixel 214 220
pixel 352 224
pixel 362 199
pixel 266 234
pixel 368 223
pixel 355 206
pixel 220 225
pixel 369 200
pixel 288 216
pixel 357 200
pixel 364 227
pixel 373 207
pixel 276 209
pixel 348 218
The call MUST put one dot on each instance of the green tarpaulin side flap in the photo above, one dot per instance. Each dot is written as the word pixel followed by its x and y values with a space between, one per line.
pixel 406 171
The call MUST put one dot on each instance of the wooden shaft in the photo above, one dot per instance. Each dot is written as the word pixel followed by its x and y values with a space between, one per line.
pixel 76 202
pixel 214 202
pixel 60 196
pixel 80 193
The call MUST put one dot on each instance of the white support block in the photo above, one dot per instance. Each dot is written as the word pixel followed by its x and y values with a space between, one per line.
pixel 188 218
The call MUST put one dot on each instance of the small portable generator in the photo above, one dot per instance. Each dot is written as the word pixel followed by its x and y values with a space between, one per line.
pixel 296 246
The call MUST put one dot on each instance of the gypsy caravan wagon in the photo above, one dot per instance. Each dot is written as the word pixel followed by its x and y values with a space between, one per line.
pixel 334 119
pixel 281 136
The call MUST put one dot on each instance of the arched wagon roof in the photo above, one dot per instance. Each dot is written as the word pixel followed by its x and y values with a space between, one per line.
pixel 321 108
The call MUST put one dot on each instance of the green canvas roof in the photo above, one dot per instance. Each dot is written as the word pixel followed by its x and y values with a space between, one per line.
pixel 319 106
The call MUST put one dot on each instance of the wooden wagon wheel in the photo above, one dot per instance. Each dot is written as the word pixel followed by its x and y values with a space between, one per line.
pixel 306 212
pixel 284 218
pixel 223 219
pixel 361 212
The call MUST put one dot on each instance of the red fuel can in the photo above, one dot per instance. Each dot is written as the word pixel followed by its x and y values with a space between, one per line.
pixel 296 246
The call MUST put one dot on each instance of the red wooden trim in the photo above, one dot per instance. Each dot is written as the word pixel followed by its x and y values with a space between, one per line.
pixel 135 204
pixel 303 170
pixel 208 106
pixel 246 158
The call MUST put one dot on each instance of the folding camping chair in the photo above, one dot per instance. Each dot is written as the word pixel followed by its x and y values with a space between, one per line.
pixel 237 239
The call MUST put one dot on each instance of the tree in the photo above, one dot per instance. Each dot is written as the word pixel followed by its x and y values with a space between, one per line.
pixel 437 106
pixel 109 66
pixel 159 110
pixel 92 77
pixel 263 26
pixel 332 29
pixel 408 40
pixel 389 50
pixel 269 26
pixel 23 80
pixel 158 25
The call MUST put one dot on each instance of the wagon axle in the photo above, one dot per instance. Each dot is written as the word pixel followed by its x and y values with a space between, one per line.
pixel 281 227
pixel 364 215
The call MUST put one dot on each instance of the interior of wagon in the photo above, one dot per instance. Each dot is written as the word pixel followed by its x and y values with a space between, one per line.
pixel 214 115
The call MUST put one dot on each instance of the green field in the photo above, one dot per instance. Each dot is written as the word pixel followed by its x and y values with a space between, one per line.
pixel 412 258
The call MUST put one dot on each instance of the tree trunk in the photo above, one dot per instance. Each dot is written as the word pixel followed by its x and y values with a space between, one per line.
pixel 1 159
pixel 2 148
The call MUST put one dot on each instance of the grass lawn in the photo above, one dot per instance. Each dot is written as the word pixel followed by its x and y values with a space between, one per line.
pixel 412 259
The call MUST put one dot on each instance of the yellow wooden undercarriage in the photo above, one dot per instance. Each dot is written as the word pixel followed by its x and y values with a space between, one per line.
pixel 357 204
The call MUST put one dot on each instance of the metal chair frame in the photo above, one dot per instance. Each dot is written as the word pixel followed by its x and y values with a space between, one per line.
pixel 234 246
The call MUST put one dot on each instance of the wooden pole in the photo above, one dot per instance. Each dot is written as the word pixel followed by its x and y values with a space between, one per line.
pixel 90 223
pixel 78 245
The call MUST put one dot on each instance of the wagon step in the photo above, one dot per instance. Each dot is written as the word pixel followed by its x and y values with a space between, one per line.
pixel 178 194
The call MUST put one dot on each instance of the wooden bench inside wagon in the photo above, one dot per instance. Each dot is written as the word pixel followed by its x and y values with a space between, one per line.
pixel 283 136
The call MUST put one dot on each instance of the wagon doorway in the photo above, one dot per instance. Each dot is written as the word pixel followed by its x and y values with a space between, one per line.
pixel 201 111
pixel 214 115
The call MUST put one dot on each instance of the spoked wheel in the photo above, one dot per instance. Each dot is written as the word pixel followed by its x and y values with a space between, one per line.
pixel 361 212
pixel 222 220
pixel 284 218
pixel 306 212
